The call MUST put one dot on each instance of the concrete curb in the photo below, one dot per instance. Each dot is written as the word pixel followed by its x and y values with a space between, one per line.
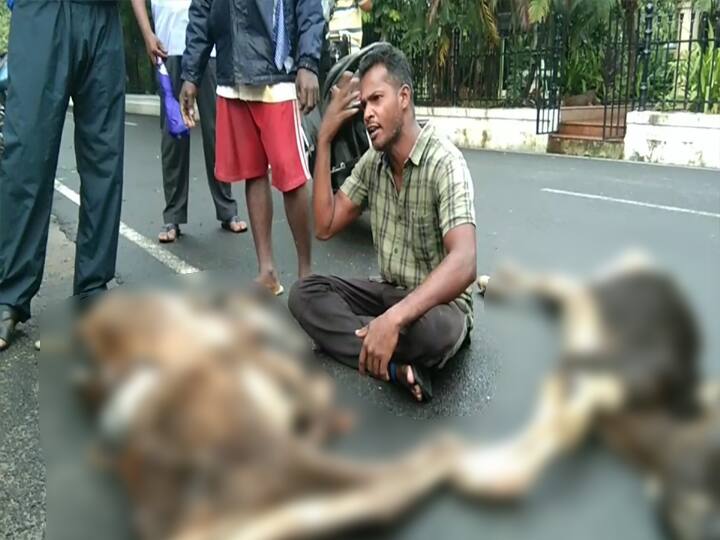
pixel 142 105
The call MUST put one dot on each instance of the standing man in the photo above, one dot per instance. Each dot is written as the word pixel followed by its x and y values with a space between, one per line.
pixel 417 188
pixel 346 20
pixel 167 43
pixel 268 53
pixel 60 50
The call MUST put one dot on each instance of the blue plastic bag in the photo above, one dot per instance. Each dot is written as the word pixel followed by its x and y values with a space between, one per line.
pixel 173 117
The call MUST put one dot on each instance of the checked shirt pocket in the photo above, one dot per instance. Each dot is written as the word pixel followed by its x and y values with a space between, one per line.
pixel 424 233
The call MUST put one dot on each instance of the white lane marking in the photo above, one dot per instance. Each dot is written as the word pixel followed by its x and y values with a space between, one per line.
pixel 172 261
pixel 633 203
pixel 133 124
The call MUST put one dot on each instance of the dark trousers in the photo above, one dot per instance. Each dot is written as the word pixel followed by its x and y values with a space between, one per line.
pixel 176 152
pixel 59 50
pixel 330 309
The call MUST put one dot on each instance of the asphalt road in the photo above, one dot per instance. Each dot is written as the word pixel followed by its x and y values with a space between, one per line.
pixel 545 212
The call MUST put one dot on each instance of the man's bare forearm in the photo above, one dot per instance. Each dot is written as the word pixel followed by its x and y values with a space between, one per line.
pixel 141 16
pixel 444 284
pixel 323 198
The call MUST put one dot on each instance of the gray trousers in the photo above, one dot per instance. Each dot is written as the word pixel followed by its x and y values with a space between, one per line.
pixel 330 309
pixel 59 50
pixel 176 152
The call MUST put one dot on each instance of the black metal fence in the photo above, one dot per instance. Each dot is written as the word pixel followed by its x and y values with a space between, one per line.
pixel 619 91
pixel 550 52
pixel 479 75
pixel 679 61
pixel 663 60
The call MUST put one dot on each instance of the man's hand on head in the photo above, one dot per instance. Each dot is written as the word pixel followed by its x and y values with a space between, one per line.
pixel 380 339
pixel 344 104
pixel 308 90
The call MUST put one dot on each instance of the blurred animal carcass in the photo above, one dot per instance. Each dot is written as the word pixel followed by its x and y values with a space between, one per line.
pixel 217 427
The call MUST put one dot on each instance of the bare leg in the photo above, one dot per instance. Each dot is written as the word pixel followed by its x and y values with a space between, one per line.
pixel 565 414
pixel 260 209
pixel 297 209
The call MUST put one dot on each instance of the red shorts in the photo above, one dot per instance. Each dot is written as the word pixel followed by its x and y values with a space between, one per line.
pixel 250 135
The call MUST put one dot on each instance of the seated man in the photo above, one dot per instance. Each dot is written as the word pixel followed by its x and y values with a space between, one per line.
pixel 418 189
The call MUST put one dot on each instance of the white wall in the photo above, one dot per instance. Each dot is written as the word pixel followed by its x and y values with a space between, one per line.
pixel 673 138
pixel 495 129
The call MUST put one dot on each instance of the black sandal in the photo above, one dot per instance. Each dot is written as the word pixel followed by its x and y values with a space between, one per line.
pixel 227 225
pixel 8 321
pixel 167 228
pixel 422 379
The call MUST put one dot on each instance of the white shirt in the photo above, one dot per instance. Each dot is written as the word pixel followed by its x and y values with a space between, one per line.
pixel 171 20
pixel 275 93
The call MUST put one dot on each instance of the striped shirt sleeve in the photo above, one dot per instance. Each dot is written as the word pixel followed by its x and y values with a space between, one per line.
pixel 456 205
pixel 356 185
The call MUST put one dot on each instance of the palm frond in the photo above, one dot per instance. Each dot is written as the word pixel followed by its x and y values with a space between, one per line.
pixel 489 22
pixel 538 10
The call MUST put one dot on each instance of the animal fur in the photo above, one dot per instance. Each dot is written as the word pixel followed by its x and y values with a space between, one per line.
pixel 629 373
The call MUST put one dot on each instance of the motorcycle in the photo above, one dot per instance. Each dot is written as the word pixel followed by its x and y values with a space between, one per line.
pixel 352 140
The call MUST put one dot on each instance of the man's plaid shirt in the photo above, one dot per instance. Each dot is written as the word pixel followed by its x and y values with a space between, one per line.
pixel 408 227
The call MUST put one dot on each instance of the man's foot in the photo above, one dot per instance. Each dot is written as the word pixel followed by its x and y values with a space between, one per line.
pixel 8 321
pixel 270 282
pixel 169 233
pixel 234 225
pixel 413 379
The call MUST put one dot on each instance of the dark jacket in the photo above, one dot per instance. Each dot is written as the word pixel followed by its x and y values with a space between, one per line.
pixel 242 31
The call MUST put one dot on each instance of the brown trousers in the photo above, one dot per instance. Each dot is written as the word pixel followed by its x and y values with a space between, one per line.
pixel 330 309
